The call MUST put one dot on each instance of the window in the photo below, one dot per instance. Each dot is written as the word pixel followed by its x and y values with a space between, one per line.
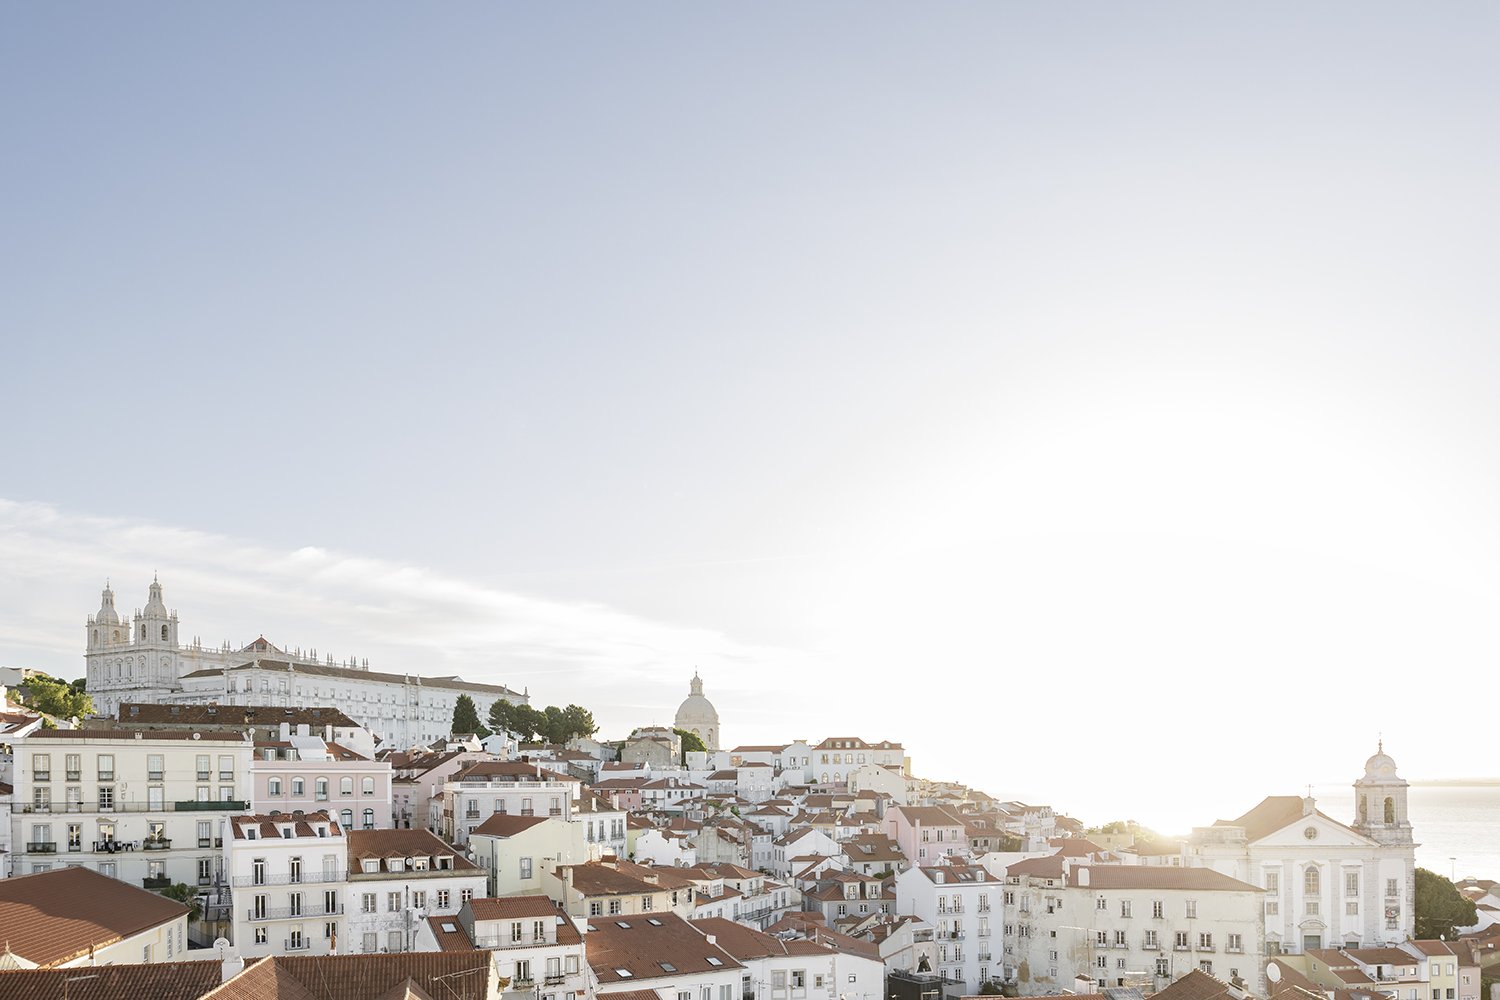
pixel 41 767
pixel 1206 967
pixel 1156 908
pixel 1206 941
pixel 393 902
pixel 1391 888
pixel 1163 966
pixel 1101 903
pixel 1124 907
pixel 106 767
pixel 393 941
pixel 226 767
pixel 1235 943
pixel 1191 908
pixel 346 786
pixel 526 868
pixel 442 899
pixel 1272 908
pixel 273 786
pixel 154 768
pixel 1273 882
pixel 369 819
pixel 367 786
pixel 1351 884
pixel 799 979
pixel 320 789
pixel 1351 908
pixel 647 903
pixel 464 895
pixel 299 787
pixel 260 935
pixel 1311 882
pixel 614 907
pixel 1151 941
pixel 1180 940
pixel 367 902
pixel 370 943
pixel 596 908
pixel 74 767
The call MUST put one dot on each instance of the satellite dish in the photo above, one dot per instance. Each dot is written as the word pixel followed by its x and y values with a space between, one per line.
pixel 221 946
pixel 1273 972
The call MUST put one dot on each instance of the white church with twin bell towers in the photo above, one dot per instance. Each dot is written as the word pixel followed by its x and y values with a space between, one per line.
pixel 141 659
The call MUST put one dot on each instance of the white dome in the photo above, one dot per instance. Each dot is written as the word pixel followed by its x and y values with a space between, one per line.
pixel 697 715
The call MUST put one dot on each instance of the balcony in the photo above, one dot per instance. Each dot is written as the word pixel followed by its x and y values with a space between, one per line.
pixel 156 844
pixel 41 775
pixel 155 776
pixel 211 805
pixel 293 913
pixel 297 944
pixel 156 882
pixel 226 775
pixel 554 980
pixel 42 847
pixel 113 846
pixel 75 775
pixel 205 776
pixel 216 805
pixel 205 841
pixel 312 877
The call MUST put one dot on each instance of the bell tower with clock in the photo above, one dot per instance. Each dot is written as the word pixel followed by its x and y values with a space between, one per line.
pixel 1380 800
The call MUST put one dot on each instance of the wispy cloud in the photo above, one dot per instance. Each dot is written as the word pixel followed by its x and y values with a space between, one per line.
pixel 632 670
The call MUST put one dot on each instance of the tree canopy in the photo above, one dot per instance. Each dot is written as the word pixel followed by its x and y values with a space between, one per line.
pixel 1440 907
pixel 550 724
pixel 58 698
pixel 187 895
pixel 691 743
pixel 466 717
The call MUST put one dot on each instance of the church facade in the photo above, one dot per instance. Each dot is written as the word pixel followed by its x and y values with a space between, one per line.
pixel 141 659
pixel 1327 884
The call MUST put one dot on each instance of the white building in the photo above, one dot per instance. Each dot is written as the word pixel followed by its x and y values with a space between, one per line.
pixel 396 880
pixel 510 787
pixel 963 903
pixel 515 851
pixel 1127 925
pixel 287 876
pixel 144 807
pixel 143 660
pixel 1327 884
pixel 796 968
pixel 534 945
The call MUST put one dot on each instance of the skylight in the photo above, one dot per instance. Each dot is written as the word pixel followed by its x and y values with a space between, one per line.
pixel 449 926
pixel 714 961
pixel 667 966
pixel 624 973
pixel 654 922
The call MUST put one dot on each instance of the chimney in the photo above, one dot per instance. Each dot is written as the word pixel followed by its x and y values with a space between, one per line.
pixel 1083 877
pixel 286 731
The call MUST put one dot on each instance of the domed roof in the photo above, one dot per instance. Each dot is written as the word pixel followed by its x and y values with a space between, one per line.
pixel 1380 764
pixel 696 709
pixel 155 606
pixel 107 614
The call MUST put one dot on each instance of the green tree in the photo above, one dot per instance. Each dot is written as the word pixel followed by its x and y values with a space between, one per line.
pixel 691 743
pixel 466 717
pixel 990 988
pixel 580 721
pixel 57 698
pixel 1440 907
pixel 503 716
pixel 186 894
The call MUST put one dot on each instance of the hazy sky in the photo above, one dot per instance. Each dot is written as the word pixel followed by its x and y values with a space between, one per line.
pixel 1099 398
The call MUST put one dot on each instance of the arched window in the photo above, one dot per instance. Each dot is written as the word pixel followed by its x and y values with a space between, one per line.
pixel 96 637
pixel 273 787
pixel 299 787
pixel 1390 810
pixel 163 633
pixel 1364 810
pixel 346 786
pixel 369 819
pixel 367 786
pixel 1310 881
pixel 321 785
pixel 346 818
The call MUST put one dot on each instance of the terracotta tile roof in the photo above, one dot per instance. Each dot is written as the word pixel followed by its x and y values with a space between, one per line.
pixel 268 827
pixel 506 825
pixel 1073 847
pixel 1382 956
pixel 1051 866
pixel 449 933
pixel 632 995
pixel 1196 985
pixel 159 981
pixel 234 715
pixel 512 907
pixel 55 916
pixel 1156 877
pixel 1432 948
pixel 929 815
pixel 513 769
pixel 459 975
pixel 382 844
pixel 1275 812
pixel 639 945
pixel 145 735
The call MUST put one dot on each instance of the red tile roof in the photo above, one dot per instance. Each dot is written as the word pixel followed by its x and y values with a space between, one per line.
pixel 159 981
pixel 53 917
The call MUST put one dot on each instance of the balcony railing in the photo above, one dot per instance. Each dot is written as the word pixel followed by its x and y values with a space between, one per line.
pixel 75 775
pixel 495 942
pixel 297 944
pixel 314 877
pixel 294 912
pixel 158 844
pixel 42 847
pixel 205 775
pixel 41 775
pixel 156 882
pixel 215 805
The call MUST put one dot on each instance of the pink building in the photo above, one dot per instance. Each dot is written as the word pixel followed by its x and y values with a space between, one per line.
pixel 926 833
pixel 307 774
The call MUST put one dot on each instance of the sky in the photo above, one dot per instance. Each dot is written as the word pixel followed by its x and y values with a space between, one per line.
pixel 1097 399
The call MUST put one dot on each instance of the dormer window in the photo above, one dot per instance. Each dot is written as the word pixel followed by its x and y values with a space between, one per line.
pixel 370 866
